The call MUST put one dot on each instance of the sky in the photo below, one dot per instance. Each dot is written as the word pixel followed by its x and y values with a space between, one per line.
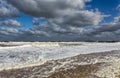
pixel 59 20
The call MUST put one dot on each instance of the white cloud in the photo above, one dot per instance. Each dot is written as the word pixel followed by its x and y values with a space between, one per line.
pixel 9 34
pixel 10 22
pixel 7 10
pixel 118 7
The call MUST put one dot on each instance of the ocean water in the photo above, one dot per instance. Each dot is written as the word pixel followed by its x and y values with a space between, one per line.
pixel 24 54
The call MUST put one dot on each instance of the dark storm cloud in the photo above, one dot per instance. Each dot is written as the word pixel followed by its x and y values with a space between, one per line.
pixel 63 12
pixel 7 10
pixel 47 8
pixel 107 32
pixel 54 32
pixel 109 27
pixel 79 18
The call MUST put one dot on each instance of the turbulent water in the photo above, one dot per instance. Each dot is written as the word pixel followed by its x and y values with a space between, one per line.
pixel 59 60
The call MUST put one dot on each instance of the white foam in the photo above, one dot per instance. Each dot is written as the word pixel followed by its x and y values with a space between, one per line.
pixel 30 54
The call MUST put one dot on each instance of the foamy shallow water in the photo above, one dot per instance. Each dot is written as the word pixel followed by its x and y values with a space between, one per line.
pixel 30 54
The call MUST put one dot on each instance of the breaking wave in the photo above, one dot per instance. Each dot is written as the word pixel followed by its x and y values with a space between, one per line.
pixel 59 60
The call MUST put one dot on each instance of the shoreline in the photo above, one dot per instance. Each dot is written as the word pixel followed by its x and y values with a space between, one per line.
pixel 92 66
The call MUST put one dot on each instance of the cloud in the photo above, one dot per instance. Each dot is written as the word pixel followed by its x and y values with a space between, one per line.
pixel 65 20
pixel 9 34
pixel 10 22
pixel 7 10
pixel 36 21
pixel 110 27
pixel 47 8
pixel 79 18
pixel 106 32
pixel 54 32
pixel 118 7
pixel 67 12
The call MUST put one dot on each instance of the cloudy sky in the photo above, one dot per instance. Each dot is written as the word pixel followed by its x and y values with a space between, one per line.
pixel 59 20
